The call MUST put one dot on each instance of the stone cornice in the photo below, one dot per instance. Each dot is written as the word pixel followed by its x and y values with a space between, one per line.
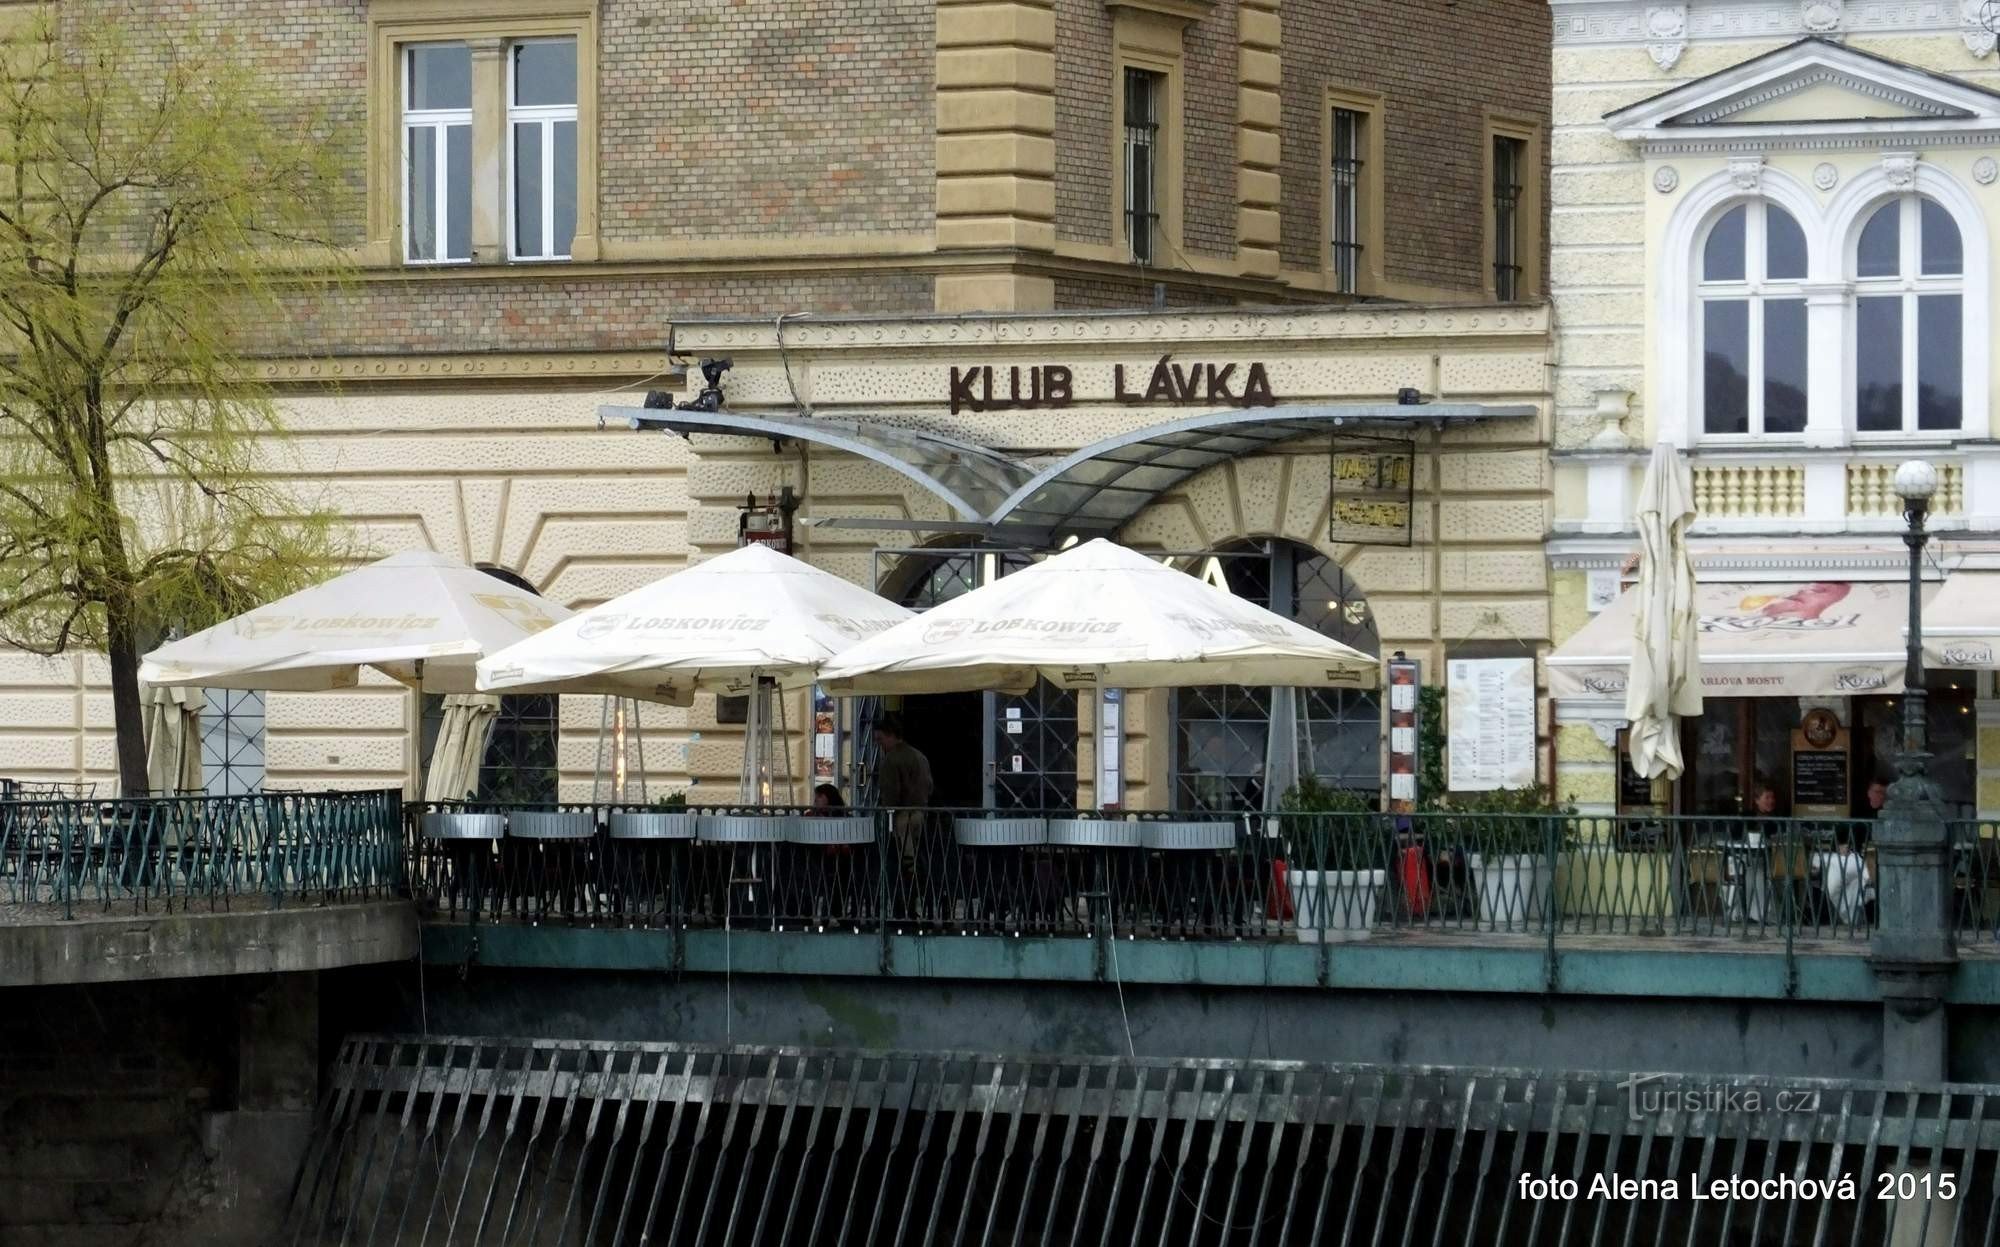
pixel 459 368
pixel 1173 10
pixel 1141 329
pixel 1625 21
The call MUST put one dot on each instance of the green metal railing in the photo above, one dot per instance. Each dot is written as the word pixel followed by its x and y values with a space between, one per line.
pixel 179 851
pixel 1306 877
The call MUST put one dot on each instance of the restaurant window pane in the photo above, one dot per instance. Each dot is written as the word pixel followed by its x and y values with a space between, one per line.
pixel 564 175
pixel 528 189
pixel 458 192
pixel 1880 250
pixel 1784 365
pixel 1726 366
pixel 421 174
pixel 1939 244
pixel 1878 364
pixel 1940 361
pixel 1784 245
pixel 440 76
pixel 545 72
pixel 1722 257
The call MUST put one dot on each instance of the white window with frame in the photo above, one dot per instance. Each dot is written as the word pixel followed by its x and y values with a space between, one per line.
pixel 1909 322
pixel 1752 323
pixel 541 148
pixel 437 153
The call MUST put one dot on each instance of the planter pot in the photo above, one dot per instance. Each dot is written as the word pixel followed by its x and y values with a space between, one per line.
pixel 1094 833
pixel 1334 905
pixel 650 825
pixel 1510 887
pixel 747 828
pixel 998 833
pixel 834 829
pixel 1187 836
pixel 542 825
pixel 458 826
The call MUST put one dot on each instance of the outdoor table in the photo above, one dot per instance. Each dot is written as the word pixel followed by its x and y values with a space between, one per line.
pixel 1003 881
pixel 1747 885
pixel 745 846
pixel 549 857
pixel 1198 874
pixel 1113 890
pixel 645 856
pixel 466 841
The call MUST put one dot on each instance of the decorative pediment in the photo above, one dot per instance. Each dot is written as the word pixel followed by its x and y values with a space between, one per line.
pixel 1805 93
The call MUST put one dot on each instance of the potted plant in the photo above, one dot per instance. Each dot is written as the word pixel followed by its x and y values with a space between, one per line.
pixel 1509 851
pixel 1335 860
pixel 667 818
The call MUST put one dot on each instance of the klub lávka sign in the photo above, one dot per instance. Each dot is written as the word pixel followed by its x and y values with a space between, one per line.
pixel 1169 382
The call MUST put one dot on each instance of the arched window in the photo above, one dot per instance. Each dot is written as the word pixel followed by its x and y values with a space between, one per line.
pixel 1909 324
pixel 1753 322
pixel 1222 733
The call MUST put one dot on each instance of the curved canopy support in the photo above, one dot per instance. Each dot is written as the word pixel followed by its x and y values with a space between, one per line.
pixel 1097 490
pixel 1092 492
pixel 968 478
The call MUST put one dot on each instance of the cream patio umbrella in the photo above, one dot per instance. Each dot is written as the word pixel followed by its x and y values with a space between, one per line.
pixel 717 626
pixel 1096 616
pixel 1665 682
pixel 740 623
pixel 420 617
pixel 173 738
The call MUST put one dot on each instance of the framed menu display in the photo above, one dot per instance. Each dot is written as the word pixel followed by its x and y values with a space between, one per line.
pixel 1822 767
pixel 1635 791
pixel 1490 717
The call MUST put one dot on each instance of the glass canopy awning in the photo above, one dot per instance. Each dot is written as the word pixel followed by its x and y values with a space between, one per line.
pixel 1092 492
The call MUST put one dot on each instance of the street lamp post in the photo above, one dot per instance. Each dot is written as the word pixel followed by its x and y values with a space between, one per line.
pixel 1916 481
pixel 1913 953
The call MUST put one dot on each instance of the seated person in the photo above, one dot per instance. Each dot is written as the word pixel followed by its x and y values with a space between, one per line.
pixel 1843 878
pixel 827 801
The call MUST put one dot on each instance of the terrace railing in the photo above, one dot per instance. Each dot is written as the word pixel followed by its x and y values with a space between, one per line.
pixel 176 852
pixel 1305 877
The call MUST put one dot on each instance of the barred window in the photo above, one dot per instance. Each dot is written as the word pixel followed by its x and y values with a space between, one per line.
pixel 1344 198
pixel 1509 161
pixel 1143 91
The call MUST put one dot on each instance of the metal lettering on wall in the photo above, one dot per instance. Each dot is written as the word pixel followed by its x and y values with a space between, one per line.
pixel 1369 500
pixel 1168 382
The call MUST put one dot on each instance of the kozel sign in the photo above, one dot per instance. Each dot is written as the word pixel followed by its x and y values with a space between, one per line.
pixel 983 387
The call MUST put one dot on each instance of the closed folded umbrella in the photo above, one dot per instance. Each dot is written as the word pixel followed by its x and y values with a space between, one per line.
pixel 420 617
pixel 1665 683
pixel 1095 616
pixel 466 724
pixel 173 738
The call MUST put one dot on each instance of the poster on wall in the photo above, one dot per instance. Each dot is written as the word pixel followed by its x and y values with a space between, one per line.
pixel 1490 713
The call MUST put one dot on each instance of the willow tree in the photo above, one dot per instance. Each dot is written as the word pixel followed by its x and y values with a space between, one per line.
pixel 162 213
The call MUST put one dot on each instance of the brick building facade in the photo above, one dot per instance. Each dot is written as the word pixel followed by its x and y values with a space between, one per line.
pixel 912 155
pixel 853 200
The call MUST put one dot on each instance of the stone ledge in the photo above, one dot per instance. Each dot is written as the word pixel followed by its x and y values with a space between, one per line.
pixel 121 947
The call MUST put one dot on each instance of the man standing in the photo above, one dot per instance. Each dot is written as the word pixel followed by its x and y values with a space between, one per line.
pixel 903 785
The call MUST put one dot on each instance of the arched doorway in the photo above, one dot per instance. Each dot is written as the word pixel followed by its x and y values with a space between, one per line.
pixel 1222 733
pixel 520 763
pixel 985 749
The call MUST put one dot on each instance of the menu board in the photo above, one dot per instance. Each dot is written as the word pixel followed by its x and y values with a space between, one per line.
pixel 1635 791
pixel 1491 720
pixel 1822 779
